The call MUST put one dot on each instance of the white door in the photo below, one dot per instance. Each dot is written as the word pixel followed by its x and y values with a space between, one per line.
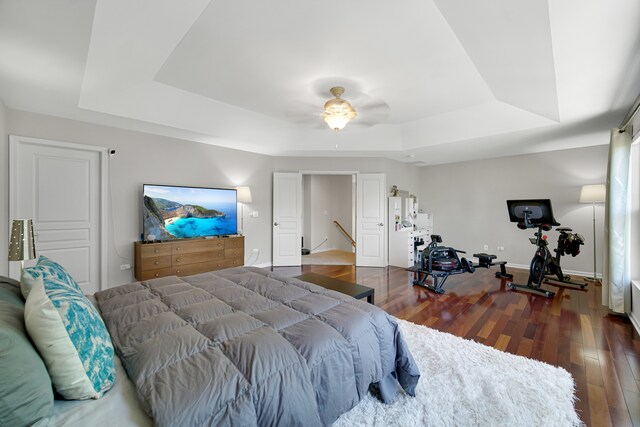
pixel 287 219
pixel 370 220
pixel 62 187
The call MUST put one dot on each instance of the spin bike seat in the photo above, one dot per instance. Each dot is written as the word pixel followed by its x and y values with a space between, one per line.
pixel 561 229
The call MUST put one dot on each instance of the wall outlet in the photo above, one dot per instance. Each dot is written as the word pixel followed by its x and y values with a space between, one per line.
pixel 500 248
pixel 255 214
pixel 255 251
pixel 125 267
pixel 486 247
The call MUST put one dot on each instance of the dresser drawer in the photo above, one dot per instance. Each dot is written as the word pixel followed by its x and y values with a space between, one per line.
pixel 154 250
pixel 234 262
pixel 234 253
pixel 190 246
pixel 153 274
pixel 201 267
pixel 234 242
pixel 197 257
pixel 152 263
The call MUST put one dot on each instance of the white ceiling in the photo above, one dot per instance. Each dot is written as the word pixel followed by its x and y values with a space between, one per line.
pixel 440 80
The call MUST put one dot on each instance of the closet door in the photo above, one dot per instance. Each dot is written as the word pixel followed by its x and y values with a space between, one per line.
pixel 62 188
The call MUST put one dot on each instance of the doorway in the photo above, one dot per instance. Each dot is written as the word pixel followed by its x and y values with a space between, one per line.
pixel 328 219
pixel 370 218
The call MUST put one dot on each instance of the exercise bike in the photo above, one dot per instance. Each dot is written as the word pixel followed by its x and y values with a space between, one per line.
pixel 545 266
pixel 539 214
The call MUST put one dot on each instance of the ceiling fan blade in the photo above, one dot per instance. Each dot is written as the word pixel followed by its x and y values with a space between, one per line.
pixel 372 113
pixel 303 112
pixel 376 106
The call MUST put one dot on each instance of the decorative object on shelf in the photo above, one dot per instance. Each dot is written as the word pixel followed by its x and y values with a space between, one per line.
pixel 594 193
pixel 394 191
pixel 244 197
pixel 338 112
pixel 22 242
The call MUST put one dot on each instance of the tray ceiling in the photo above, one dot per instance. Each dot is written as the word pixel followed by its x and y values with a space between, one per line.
pixel 443 80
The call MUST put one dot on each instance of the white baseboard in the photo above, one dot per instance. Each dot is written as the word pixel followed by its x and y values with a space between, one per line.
pixel 569 272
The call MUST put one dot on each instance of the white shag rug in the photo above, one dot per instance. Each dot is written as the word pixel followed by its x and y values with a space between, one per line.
pixel 465 383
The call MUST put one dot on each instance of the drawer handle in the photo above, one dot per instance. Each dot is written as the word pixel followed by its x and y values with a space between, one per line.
pixel 177 271
pixel 219 255
pixel 177 249
pixel 156 263
pixel 156 250
pixel 157 274
pixel 177 259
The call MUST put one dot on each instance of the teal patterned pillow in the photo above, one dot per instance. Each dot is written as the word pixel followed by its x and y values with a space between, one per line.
pixel 51 271
pixel 68 332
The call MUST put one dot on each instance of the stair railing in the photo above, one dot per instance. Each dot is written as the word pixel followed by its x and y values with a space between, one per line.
pixel 353 242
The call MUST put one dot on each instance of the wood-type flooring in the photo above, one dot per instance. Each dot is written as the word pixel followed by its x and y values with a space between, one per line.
pixel 572 330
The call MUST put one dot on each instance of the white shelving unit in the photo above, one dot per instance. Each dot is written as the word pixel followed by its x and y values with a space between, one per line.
pixel 403 217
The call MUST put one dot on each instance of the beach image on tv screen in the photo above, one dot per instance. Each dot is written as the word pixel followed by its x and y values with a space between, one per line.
pixel 183 212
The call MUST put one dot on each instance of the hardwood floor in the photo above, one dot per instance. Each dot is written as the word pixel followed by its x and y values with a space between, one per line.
pixel 572 330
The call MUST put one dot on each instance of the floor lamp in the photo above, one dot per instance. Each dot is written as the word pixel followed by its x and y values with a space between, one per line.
pixel 244 196
pixel 593 194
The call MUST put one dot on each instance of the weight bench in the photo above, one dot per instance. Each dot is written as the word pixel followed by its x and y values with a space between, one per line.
pixel 486 261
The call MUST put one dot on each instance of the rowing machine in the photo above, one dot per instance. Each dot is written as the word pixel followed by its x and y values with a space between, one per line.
pixel 440 262
pixel 487 260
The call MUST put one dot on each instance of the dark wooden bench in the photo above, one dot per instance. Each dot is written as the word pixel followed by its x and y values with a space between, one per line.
pixel 347 288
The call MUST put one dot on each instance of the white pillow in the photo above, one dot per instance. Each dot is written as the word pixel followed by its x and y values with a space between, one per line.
pixel 69 333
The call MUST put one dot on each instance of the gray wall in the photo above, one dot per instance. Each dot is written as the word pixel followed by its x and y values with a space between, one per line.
pixel 143 158
pixel 468 201
pixel 330 193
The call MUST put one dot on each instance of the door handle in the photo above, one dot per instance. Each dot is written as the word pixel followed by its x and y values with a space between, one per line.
pixel 381 224
pixel 275 223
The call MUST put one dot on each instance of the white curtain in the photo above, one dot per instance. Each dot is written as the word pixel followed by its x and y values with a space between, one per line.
pixel 616 283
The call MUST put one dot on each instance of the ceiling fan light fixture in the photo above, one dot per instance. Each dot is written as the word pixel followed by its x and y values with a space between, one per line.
pixel 338 112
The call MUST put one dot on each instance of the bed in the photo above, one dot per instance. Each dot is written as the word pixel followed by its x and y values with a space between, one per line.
pixel 242 346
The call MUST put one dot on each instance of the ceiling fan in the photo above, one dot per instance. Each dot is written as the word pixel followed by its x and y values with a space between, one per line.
pixel 361 110
pixel 338 112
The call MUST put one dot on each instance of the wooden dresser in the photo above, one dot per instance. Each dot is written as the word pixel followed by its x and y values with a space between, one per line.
pixel 188 256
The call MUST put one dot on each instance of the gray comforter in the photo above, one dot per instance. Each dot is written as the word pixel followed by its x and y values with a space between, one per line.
pixel 244 346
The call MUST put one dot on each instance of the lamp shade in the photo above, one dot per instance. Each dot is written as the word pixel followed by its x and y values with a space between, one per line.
pixel 21 244
pixel 244 194
pixel 338 112
pixel 593 193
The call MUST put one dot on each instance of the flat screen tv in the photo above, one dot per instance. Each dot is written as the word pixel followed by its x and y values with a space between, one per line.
pixel 174 212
